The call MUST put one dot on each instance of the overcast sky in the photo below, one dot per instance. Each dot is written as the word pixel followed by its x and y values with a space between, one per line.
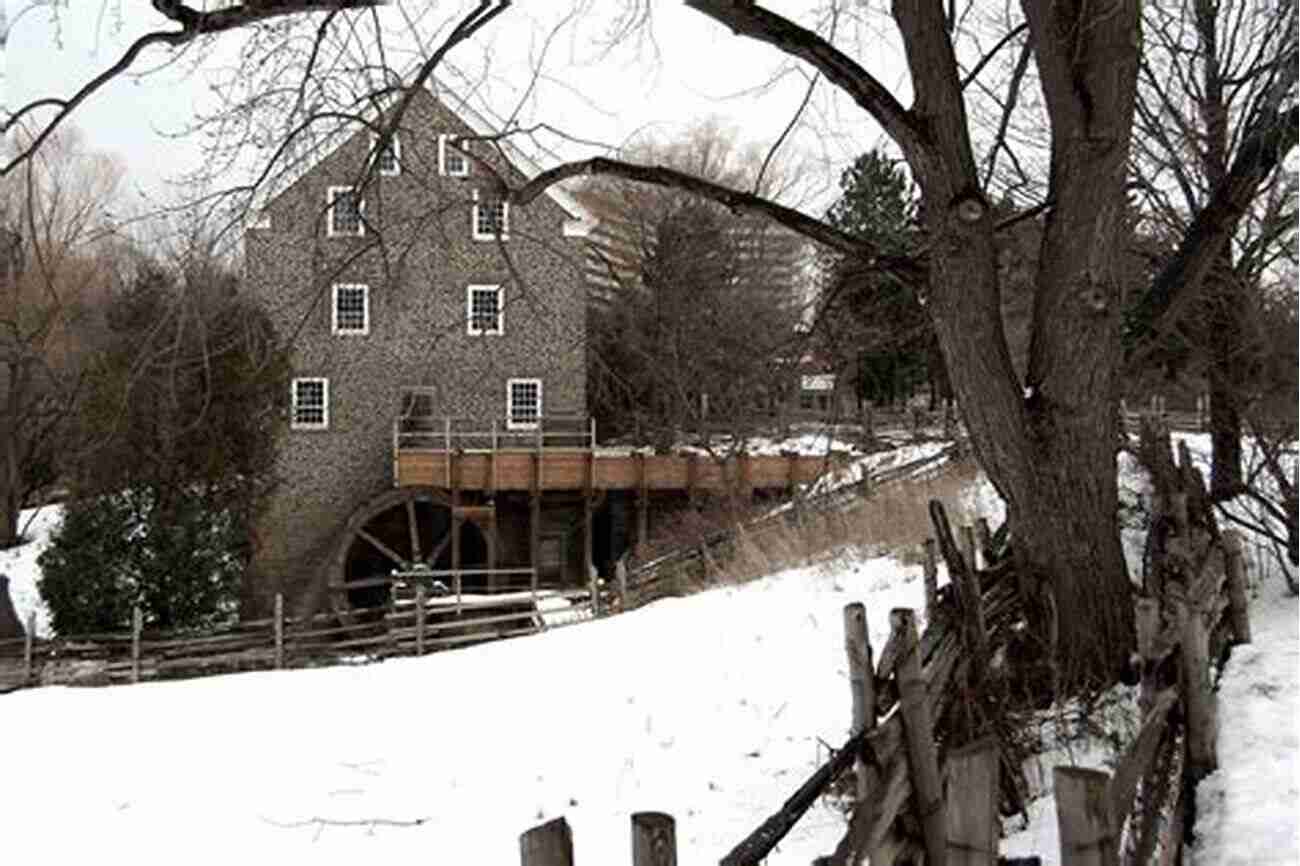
pixel 693 69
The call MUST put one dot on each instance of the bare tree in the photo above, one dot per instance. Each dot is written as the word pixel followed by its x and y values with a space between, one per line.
pixel 695 309
pixel 1211 75
pixel 52 277
pixel 1045 439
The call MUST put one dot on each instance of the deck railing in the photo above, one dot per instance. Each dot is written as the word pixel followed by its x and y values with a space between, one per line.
pixel 412 432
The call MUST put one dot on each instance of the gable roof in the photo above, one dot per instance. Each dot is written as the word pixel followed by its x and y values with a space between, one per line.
pixel 581 221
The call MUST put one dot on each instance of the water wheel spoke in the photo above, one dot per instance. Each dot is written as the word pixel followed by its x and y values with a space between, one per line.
pixel 438 549
pixel 415 530
pixel 382 548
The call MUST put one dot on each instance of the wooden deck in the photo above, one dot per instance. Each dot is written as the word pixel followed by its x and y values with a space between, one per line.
pixel 600 469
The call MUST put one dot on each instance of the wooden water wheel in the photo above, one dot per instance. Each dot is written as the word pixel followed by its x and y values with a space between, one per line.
pixel 405 530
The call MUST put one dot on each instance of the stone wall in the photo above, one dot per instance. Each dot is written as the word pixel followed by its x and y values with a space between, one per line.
pixel 417 256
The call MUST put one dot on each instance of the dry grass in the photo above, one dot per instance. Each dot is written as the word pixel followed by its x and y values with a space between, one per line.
pixel 893 520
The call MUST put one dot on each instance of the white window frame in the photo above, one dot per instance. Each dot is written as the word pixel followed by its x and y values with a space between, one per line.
pixel 324 423
pixel 505 221
pixel 443 141
pixel 361 211
pixel 469 311
pixel 365 310
pixel 396 144
pixel 511 423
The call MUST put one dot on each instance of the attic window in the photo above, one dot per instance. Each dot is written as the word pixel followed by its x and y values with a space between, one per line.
pixel 490 217
pixel 451 162
pixel 389 160
pixel 345 208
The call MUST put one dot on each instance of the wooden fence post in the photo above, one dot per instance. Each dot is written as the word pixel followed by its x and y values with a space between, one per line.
pixel 1235 564
pixel 549 844
pixel 28 641
pixel 1083 818
pixel 985 537
pixel 968 546
pixel 931 578
pixel 1197 696
pixel 620 572
pixel 137 624
pixel 1146 618
pixel 973 804
pixel 654 839
pixel 279 630
pixel 919 731
pixel 862 682
pixel 419 619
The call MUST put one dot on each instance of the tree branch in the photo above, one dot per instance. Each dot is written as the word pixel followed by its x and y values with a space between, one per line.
pixel 1177 284
pixel 755 22
pixel 194 23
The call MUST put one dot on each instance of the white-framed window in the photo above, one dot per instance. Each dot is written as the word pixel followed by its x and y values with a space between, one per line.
pixel 351 308
pixel 389 160
pixel 451 162
pixel 523 404
pixel 311 404
pixel 345 209
pixel 490 217
pixel 485 310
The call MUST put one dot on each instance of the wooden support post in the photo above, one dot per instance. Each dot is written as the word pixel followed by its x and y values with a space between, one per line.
pixel 535 520
pixel 492 462
pixel 1146 619
pixel 654 839
pixel 456 520
pixel 862 684
pixel 931 577
pixel 984 536
pixel 1235 563
pixel 968 546
pixel 279 630
pixel 692 475
pixel 419 619
pixel 919 731
pixel 588 535
pixel 29 641
pixel 1197 695
pixel 973 804
pixel 1083 818
pixel 620 571
pixel 642 503
pixel 137 625
pixel 550 844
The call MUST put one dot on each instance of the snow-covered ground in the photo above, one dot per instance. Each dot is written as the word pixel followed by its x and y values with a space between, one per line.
pixel 713 708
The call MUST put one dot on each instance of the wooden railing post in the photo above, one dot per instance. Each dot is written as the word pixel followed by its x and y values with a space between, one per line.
pixel 973 804
pixel 862 683
pixel 29 640
pixel 654 839
pixel 419 619
pixel 1083 818
pixel 550 844
pixel 1197 694
pixel 919 730
pixel 931 565
pixel 137 625
pixel 1238 608
pixel 1146 617
pixel 279 630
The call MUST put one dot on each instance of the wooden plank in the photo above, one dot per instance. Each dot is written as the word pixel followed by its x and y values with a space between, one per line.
pixel 137 625
pixel 1082 817
pixel 930 564
pixel 919 729
pixel 1136 763
pixel 1202 725
pixel 972 804
pixel 654 839
pixel 862 684
pixel 1235 565
pixel 549 844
